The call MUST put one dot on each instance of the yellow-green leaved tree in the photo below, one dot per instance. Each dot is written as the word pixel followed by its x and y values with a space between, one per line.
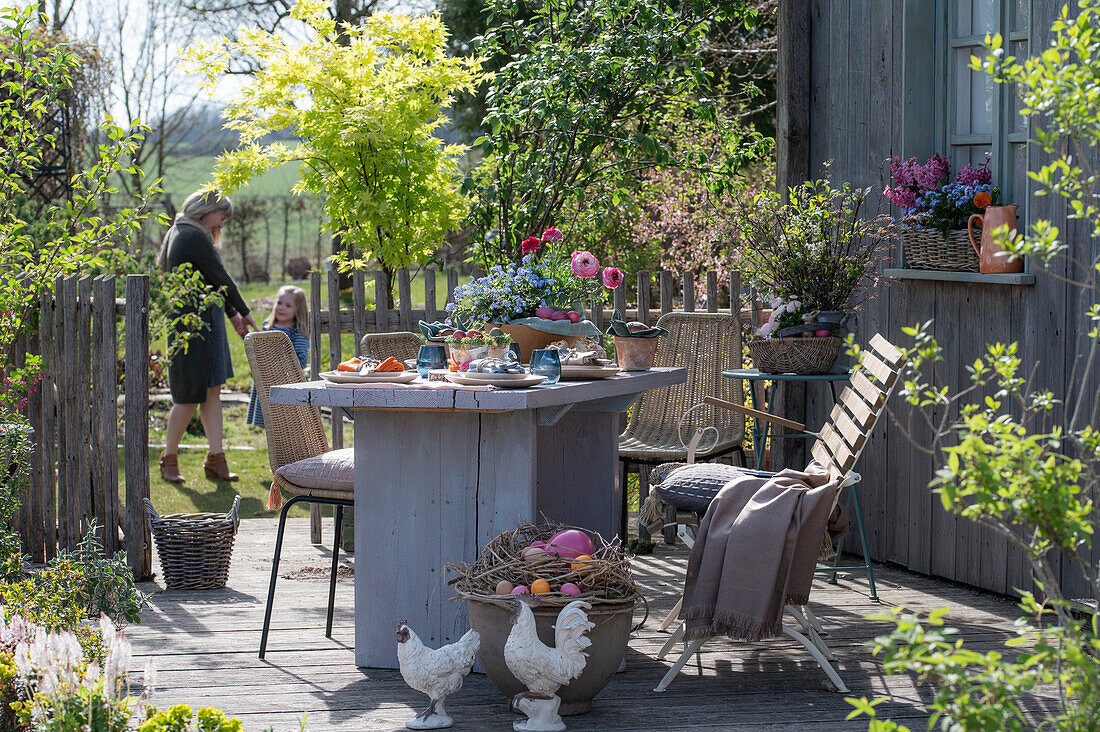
pixel 365 102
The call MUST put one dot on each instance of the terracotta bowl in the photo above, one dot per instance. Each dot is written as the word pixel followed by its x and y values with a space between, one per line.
pixel 528 339
pixel 635 354
pixel 609 642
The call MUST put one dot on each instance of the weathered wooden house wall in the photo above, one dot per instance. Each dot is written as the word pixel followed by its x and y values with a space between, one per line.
pixel 868 66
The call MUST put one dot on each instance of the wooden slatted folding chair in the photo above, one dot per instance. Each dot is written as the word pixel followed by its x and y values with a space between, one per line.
pixel 839 443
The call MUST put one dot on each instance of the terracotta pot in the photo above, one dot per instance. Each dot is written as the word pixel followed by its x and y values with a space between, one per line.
pixel 609 641
pixel 528 339
pixel 992 259
pixel 635 354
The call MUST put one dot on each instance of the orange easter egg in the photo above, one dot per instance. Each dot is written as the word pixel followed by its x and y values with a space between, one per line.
pixel 581 563
pixel 540 587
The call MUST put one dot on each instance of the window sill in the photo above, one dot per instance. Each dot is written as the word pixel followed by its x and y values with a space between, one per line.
pixel 1023 278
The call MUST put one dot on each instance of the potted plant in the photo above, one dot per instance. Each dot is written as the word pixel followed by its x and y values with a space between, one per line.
pixel 465 346
pixel 559 564
pixel 818 256
pixel 935 210
pixel 539 300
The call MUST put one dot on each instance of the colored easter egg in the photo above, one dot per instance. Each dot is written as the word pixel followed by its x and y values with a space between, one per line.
pixel 533 554
pixel 544 312
pixel 559 315
pixel 580 563
pixel 520 590
pixel 822 333
pixel 504 587
pixel 570 544
pixel 540 587
pixel 570 589
pixel 574 316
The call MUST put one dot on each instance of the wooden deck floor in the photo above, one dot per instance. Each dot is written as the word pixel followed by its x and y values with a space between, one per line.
pixel 205 646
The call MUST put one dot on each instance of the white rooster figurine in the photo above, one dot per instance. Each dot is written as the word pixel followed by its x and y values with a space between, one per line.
pixel 437 673
pixel 544 670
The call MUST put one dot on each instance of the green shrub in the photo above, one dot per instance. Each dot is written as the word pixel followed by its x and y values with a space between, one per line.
pixel 179 719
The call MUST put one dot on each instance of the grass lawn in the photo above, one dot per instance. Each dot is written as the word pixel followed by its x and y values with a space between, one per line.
pixel 201 494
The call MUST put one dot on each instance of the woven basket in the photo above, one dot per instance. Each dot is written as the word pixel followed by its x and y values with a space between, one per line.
pixel 927 249
pixel 194 548
pixel 794 355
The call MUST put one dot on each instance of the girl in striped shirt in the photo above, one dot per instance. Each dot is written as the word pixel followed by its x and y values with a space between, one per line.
pixel 291 316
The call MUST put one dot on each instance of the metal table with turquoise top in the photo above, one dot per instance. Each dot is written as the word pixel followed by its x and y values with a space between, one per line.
pixel 761 431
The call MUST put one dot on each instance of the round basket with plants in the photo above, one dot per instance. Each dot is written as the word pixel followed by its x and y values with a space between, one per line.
pixel 558 564
pixel 818 256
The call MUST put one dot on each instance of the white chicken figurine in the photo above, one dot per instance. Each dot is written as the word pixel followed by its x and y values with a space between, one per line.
pixel 544 670
pixel 435 672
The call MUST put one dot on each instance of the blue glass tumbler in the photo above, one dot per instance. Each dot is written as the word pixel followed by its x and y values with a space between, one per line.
pixel 431 356
pixel 545 362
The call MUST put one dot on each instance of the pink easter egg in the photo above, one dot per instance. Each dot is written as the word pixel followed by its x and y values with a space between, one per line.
pixel 559 315
pixel 822 333
pixel 570 589
pixel 538 544
pixel 520 590
pixel 544 312
pixel 574 316
pixel 570 544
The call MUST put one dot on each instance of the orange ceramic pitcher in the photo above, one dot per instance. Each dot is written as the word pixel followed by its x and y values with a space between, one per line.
pixel 992 259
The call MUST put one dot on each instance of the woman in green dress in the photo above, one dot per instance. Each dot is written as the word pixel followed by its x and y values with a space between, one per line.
pixel 196 376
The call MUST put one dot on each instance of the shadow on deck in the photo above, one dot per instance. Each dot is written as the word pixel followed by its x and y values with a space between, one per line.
pixel 205 648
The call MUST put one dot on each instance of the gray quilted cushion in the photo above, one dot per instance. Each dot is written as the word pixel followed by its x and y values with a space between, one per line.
pixel 693 487
pixel 333 471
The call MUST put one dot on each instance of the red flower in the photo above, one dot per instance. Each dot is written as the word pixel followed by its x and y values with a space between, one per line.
pixel 531 244
pixel 612 277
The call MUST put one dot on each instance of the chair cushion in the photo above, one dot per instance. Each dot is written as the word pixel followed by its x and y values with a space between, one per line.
pixel 330 471
pixel 693 487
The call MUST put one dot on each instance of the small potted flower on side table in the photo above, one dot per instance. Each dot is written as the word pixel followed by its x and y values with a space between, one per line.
pixel 818 257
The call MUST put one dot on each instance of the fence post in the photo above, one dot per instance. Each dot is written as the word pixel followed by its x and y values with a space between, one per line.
pixel 404 295
pixel 643 296
pixel 619 299
pixel 666 298
pixel 359 308
pixel 139 550
pixel 85 484
pixel 314 370
pixel 381 302
pixel 42 465
pixel 452 283
pixel 430 312
pixel 104 411
pixel 689 292
pixel 70 515
pixel 712 291
pixel 54 494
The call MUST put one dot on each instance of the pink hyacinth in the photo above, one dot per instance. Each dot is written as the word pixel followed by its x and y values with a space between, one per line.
pixel 975 174
pixel 530 244
pixel 584 264
pixel 612 277
pixel 552 234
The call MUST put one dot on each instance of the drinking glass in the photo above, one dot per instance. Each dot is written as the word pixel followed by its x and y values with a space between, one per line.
pixel 513 348
pixel 545 362
pixel 431 356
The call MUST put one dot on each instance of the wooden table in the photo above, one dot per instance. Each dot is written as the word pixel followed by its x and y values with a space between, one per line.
pixel 438 473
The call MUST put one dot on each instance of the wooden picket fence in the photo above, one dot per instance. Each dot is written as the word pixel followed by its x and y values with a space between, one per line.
pixel 73 412
pixel 404 317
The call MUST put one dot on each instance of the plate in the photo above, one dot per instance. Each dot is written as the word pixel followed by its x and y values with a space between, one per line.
pixel 389 377
pixel 588 372
pixel 528 380
pixel 484 376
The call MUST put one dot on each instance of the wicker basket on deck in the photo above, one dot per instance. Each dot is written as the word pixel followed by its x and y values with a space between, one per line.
pixel 794 355
pixel 195 548
pixel 927 249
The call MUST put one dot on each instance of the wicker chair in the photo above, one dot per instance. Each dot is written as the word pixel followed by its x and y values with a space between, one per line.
pixel 297 448
pixel 401 346
pixel 663 420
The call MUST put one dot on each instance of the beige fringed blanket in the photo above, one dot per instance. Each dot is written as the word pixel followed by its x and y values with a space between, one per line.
pixel 756 551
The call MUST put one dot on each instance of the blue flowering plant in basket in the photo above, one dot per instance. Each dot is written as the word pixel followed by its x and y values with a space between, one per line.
pixel 927 196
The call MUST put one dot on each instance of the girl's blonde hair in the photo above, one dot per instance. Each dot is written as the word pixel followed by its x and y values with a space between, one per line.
pixel 195 206
pixel 301 309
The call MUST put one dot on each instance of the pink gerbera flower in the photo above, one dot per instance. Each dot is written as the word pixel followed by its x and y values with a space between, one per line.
pixel 552 234
pixel 584 264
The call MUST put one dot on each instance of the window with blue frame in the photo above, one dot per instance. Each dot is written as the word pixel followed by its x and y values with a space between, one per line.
pixel 979 119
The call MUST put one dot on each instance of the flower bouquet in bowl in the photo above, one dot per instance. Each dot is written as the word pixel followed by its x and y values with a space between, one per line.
pixel 541 298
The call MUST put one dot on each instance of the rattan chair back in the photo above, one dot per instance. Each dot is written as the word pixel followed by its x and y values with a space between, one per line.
pixel 402 346
pixel 706 344
pixel 294 431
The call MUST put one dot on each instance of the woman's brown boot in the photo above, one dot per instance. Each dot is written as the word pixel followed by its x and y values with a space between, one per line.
pixel 170 469
pixel 217 468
